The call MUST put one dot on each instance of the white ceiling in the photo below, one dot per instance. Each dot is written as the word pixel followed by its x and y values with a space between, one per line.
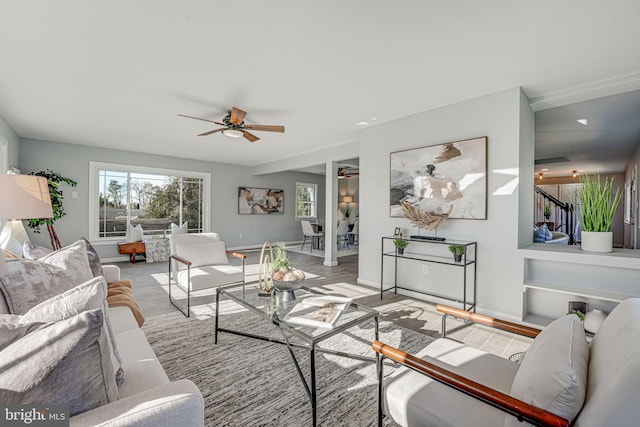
pixel 604 145
pixel 116 73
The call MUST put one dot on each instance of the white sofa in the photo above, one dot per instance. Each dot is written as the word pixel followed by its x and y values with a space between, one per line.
pixel 147 396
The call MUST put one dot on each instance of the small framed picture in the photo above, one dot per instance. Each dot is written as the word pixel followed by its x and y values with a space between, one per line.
pixel 397 231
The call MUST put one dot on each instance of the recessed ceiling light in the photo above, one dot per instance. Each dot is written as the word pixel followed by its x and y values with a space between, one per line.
pixel 544 170
pixel 362 123
pixel 583 121
pixel 373 119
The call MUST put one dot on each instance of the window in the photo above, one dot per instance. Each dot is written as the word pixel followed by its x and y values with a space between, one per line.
pixel 306 200
pixel 153 198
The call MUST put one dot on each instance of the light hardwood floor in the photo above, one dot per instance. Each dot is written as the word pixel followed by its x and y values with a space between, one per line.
pixel 151 288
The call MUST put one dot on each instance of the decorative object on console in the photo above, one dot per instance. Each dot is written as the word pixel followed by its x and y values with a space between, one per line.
pixel 457 251
pixel 596 213
pixel 21 197
pixel 134 234
pixel 54 180
pixel 400 245
pixel 432 178
pixel 422 219
pixel 547 211
pixel 286 278
pixel 593 320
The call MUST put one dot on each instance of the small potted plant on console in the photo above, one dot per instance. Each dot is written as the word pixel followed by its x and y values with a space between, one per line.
pixel 457 251
pixel 400 244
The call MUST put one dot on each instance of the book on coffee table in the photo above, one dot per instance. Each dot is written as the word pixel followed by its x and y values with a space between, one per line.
pixel 321 312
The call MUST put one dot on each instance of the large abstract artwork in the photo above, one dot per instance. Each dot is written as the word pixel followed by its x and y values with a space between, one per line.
pixel 260 201
pixel 436 177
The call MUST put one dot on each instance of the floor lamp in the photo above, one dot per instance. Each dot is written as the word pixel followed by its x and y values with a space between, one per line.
pixel 21 197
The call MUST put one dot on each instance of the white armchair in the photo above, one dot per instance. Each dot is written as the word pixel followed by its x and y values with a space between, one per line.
pixel 201 261
pixel 562 380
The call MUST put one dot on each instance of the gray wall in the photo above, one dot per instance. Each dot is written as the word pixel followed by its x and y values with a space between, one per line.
pixel 73 161
pixel 499 117
pixel 9 135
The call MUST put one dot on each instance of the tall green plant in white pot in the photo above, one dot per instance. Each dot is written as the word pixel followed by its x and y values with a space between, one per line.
pixel 599 205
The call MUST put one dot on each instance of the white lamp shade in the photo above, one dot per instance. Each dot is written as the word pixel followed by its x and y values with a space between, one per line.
pixel 347 199
pixel 24 197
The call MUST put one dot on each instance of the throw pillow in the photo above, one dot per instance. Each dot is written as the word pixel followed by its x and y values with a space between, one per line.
pixel 198 254
pixel 553 375
pixel 33 251
pixel 134 234
pixel 542 234
pixel 62 363
pixel 30 282
pixel 94 259
pixel 179 230
pixel 87 296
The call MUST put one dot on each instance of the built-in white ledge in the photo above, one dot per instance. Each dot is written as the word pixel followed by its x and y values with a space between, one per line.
pixel 622 258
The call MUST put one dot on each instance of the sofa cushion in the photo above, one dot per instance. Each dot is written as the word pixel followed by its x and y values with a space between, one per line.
pixel 416 400
pixel 179 230
pixel 87 296
pixel 64 363
pixel 30 282
pixel 542 234
pixel 208 253
pixel 553 374
pixel 210 276
pixel 134 234
pixel 614 370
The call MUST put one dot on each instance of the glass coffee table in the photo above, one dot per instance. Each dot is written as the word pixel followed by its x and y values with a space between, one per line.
pixel 273 310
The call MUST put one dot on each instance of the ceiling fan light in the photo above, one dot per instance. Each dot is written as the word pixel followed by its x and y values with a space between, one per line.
pixel 233 133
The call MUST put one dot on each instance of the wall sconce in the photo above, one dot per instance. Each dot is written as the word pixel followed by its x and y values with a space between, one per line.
pixel 540 175
pixel 575 174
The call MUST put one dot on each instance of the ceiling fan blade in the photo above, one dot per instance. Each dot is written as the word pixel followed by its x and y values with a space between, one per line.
pixel 267 128
pixel 204 120
pixel 250 137
pixel 212 131
pixel 237 115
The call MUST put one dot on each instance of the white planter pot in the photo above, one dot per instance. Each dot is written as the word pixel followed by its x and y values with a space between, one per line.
pixel 597 241
pixel 593 320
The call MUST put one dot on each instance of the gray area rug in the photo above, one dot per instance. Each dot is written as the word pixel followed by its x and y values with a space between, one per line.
pixel 248 382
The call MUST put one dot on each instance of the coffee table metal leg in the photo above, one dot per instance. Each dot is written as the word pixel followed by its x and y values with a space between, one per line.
pixel 215 336
pixel 312 361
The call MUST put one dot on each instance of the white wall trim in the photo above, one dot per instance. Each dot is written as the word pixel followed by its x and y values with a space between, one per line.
pixel 599 89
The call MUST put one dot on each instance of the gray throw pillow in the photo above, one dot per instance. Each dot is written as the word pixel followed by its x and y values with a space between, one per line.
pixel 33 251
pixel 61 363
pixel 87 296
pixel 29 282
pixel 94 259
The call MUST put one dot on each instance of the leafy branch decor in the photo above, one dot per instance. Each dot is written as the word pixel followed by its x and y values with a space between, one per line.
pixel 54 180
pixel 422 219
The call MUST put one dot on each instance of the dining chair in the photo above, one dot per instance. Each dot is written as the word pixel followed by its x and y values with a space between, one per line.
pixel 309 233
pixel 343 228
pixel 353 235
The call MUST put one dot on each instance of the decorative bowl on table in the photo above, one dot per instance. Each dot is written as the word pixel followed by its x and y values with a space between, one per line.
pixel 287 281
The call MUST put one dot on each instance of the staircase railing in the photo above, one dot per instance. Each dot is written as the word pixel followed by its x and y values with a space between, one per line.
pixel 566 212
